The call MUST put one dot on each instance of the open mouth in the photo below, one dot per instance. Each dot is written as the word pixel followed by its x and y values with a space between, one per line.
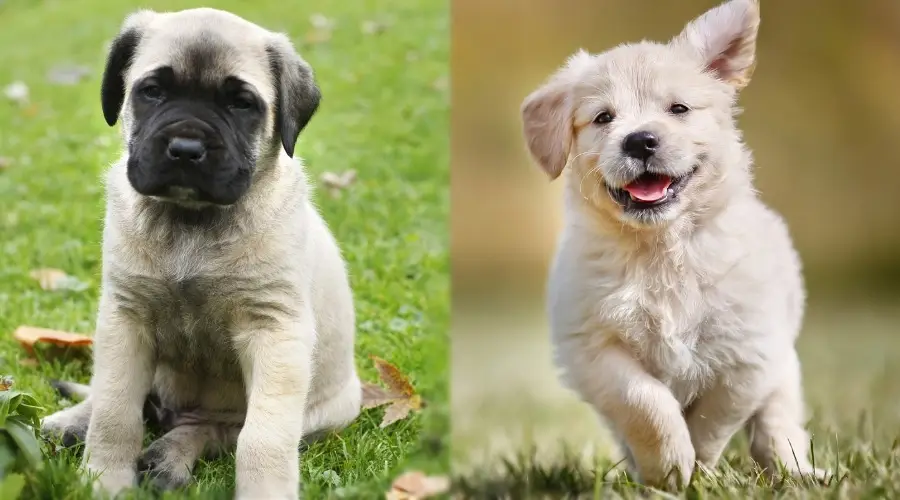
pixel 649 191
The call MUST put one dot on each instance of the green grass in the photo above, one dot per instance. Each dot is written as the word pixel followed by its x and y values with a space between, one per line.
pixel 384 114
pixel 865 471
pixel 851 372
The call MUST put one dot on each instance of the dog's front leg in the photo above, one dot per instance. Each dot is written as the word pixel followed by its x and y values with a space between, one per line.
pixel 643 411
pixel 123 373
pixel 277 366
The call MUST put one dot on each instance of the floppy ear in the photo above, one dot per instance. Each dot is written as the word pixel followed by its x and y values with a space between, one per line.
pixel 297 95
pixel 725 40
pixel 112 89
pixel 547 117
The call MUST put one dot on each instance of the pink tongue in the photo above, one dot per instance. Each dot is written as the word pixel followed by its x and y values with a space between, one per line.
pixel 649 188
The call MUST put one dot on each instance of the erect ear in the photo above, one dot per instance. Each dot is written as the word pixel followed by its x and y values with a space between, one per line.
pixel 725 40
pixel 121 53
pixel 547 119
pixel 297 95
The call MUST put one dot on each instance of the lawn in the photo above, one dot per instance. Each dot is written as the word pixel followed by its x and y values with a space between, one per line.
pixel 544 443
pixel 383 70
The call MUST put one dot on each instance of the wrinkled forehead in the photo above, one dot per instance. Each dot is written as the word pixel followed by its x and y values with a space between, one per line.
pixel 206 57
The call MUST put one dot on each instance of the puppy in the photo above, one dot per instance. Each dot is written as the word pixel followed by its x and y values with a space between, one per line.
pixel 223 291
pixel 676 296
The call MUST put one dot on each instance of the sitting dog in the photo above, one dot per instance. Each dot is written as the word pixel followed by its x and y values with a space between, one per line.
pixel 675 296
pixel 224 294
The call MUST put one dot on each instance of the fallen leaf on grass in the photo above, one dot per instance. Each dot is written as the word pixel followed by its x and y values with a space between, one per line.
pixel 322 28
pixel 28 336
pixel 317 36
pixel 399 393
pixel 30 111
pixel 57 279
pixel 415 485
pixel 441 84
pixel 335 183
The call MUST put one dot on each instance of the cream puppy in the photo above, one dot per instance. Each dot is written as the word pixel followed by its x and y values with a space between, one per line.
pixel 224 296
pixel 676 295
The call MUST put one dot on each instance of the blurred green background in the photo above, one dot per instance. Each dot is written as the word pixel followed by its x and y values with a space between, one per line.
pixel 822 116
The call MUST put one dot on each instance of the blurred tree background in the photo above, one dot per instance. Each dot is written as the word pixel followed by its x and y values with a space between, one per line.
pixel 821 115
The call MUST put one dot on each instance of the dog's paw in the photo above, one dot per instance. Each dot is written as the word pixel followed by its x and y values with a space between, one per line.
pixel 60 427
pixel 818 475
pixel 110 481
pixel 669 470
pixel 705 471
pixel 163 467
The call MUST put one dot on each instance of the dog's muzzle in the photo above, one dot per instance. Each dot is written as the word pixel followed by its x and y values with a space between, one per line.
pixel 185 162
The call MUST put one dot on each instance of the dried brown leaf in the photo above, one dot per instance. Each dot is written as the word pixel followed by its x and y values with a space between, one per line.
pixel 28 336
pixel 317 35
pixel 342 180
pixel 393 377
pixel 399 409
pixel 321 21
pixel 48 277
pixel 374 396
pixel 30 111
pixel 441 84
pixel 56 279
pixel 415 485
pixel 335 183
pixel 400 393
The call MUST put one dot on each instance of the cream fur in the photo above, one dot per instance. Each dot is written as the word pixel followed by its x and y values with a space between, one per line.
pixel 679 329
pixel 282 365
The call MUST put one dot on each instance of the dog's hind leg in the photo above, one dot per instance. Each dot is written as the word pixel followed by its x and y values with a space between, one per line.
pixel 69 425
pixel 168 463
pixel 333 413
pixel 776 431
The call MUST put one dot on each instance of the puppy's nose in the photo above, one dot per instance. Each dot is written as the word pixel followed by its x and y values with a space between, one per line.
pixel 640 145
pixel 184 149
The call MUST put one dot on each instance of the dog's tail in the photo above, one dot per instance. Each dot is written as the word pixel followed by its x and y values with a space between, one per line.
pixel 71 390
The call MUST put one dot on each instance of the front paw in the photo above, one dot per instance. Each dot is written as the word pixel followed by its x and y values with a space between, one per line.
pixel 164 467
pixel 814 474
pixel 112 481
pixel 670 468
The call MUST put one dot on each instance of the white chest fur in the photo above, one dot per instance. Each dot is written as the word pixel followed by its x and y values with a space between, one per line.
pixel 678 311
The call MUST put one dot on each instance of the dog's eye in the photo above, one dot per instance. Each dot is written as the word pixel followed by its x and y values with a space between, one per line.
pixel 678 109
pixel 243 100
pixel 152 91
pixel 604 117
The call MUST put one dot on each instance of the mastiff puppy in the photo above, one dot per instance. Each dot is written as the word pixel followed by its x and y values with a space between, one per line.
pixel 225 300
